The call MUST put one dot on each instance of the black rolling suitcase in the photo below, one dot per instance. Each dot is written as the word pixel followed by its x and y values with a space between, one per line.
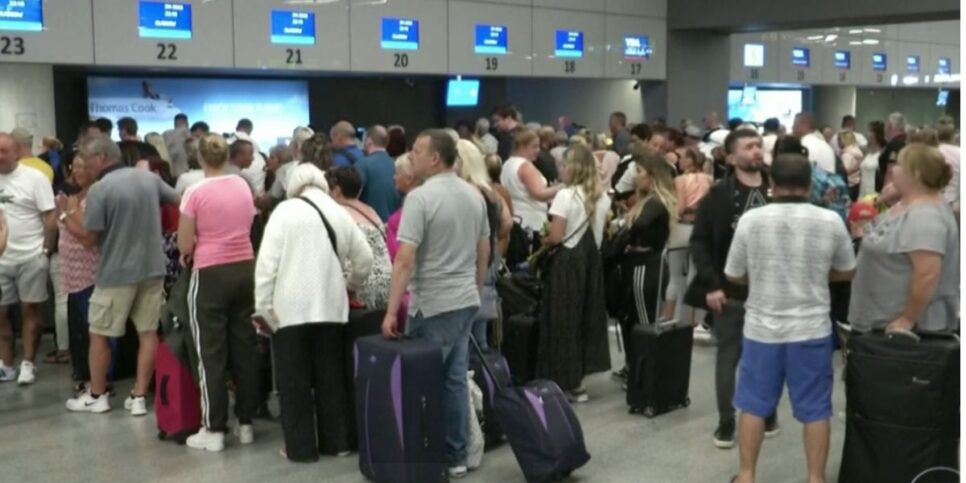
pixel 902 408
pixel 659 373
pixel 543 431
pixel 520 346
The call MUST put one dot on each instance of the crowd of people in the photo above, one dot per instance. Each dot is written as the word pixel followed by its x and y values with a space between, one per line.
pixel 781 236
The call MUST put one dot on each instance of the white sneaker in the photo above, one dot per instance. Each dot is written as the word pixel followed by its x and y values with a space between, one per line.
pixel 7 373
pixel 27 373
pixel 207 440
pixel 138 406
pixel 457 472
pixel 245 433
pixel 84 402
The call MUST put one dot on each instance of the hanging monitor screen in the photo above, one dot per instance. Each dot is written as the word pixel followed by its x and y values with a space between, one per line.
pixel 165 20
pixel 843 59
pixel 570 44
pixel 490 39
pixel 800 57
pixel 754 55
pixel 637 47
pixel 879 61
pixel 290 27
pixel 400 34
pixel 912 64
pixel 944 66
pixel 760 104
pixel 943 98
pixel 21 15
pixel 462 93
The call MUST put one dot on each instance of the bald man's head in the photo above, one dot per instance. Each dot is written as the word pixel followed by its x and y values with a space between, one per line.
pixel 342 134
pixel 377 138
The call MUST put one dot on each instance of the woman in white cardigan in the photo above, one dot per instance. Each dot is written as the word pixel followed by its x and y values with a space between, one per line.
pixel 302 297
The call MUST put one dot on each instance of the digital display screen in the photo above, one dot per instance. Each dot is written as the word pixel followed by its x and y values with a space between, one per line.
pixel 942 99
pixel 276 106
pixel 462 93
pixel 400 34
pixel 800 57
pixel 21 15
pixel 570 44
pixel 165 20
pixel 912 64
pixel 749 96
pixel 490 39
pixel 779 103
pixel 290 27
pixel 843 59
pixel 637 47
pixel 879 61
pixel 754 55
pixel 944 66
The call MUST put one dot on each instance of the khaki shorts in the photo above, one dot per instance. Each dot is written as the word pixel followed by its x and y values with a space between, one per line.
pixel 111 307
pixel 26 283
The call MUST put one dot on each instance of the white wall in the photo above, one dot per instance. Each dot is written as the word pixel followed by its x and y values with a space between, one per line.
pixel 587 102
pixel 27 99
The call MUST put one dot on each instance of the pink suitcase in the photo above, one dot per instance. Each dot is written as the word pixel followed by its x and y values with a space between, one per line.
pixel 177 402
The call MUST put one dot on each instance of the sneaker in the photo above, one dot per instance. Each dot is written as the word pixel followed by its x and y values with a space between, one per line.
pixel 137 405
pixel 724 436
pixel 620 375
pixel 457 472
pixel 577 396
pixel 245 433
pixel 344 454
pixel 27 373
pixel 772 428
pixel 207 440
pixel 7 373
pixel 87 403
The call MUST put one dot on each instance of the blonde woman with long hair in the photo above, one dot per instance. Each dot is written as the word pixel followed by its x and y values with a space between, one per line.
pixel 471 167
pixel 572 342
pixel 649 224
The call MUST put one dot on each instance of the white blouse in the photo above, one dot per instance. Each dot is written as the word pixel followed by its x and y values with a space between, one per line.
pixel 868 169
pixel 532 212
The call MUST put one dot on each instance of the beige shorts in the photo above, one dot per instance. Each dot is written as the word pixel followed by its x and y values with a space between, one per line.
pixel 111 307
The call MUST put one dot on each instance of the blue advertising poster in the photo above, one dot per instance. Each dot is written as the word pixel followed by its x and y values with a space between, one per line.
pixel 276 107
pixel 944 67
pixel 570 44
pixel 879 61
pixel 400 34
pixel 490 39
pixel 800 57
pixel 291 27
pixel 843 59
pixel 912 64
pixel 164 20
pixel 21 15
pixel 637 47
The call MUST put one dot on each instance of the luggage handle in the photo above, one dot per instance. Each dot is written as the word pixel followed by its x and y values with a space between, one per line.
pixel 486 365
pixel 904 333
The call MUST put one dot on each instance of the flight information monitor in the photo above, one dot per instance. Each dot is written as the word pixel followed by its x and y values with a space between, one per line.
pixel 400 34
pixel 21 15
pixel 754 55
pixel 164 20
pixel 291 27
pixel 637 47
pixel 462 93
pixel 912 64
pixel 843 59
pixel 800 57
pixel 490 39
pixel 570 44
pixel 944 66
pixel 879 61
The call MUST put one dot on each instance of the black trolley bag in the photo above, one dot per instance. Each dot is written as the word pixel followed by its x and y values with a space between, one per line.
pixel 659 375
pixel 540 425
pixel 902 408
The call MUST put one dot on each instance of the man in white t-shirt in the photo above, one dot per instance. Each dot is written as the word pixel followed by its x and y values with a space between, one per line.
pixel 28 202
pixel 255 171
pixel 820 153
pixel 787 252
pixel 848 124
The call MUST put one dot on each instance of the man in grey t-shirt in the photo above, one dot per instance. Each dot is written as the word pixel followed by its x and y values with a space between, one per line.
pixel 443 254
pixel 123 219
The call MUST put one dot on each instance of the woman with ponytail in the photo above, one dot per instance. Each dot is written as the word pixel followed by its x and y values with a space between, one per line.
pixel 573 320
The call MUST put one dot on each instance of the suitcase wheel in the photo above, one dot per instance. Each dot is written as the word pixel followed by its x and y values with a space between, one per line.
pixel 687 402
pixel 634 410
pixel 162 435
pixel 650 412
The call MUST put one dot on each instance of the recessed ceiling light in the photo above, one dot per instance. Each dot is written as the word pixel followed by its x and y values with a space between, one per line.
pixel 855 42
pixel 855 31
pixel 874 31
pixel 829 38
pixel 815 37
pixel 871 41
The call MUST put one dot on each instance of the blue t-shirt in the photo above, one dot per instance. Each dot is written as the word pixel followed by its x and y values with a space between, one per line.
pixel 376 172
pixel 347 156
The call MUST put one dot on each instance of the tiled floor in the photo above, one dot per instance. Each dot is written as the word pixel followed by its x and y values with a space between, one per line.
pixel 40 441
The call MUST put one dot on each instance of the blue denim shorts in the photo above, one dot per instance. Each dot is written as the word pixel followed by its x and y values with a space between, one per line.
pixel 805 366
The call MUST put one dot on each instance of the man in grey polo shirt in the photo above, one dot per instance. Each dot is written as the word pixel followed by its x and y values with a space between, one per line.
pixel 443 254
pixel 123 219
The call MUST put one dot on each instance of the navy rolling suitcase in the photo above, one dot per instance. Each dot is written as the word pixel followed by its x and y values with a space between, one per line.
pixel 902 408
pixel 492 431
pixel 520 334
pixel 399 397
pixel 540 425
